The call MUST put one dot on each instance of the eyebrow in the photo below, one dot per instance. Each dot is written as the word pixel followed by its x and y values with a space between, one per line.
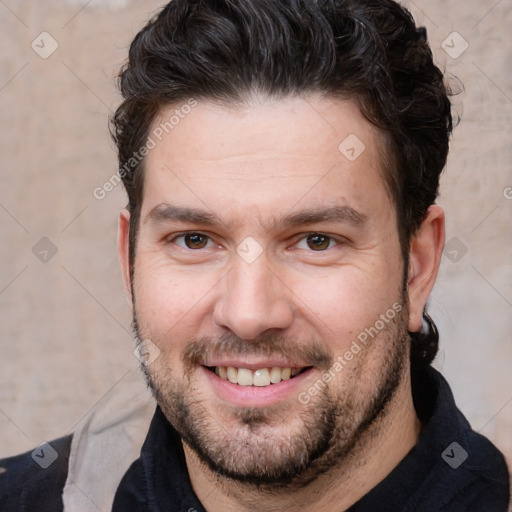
pixel 330 214
pixel 165 212
pixel 168 213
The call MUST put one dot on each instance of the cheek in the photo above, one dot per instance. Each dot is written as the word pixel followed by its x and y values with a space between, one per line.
pixel 348 300
pixel 171 303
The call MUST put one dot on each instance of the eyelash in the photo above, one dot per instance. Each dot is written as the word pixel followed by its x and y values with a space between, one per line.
pixel 184 234
pixel 337 240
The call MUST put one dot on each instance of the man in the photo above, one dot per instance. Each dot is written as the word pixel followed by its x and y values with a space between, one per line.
pixel 280 242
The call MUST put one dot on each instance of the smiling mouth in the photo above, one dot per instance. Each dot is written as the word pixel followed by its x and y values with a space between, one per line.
pixel 261 377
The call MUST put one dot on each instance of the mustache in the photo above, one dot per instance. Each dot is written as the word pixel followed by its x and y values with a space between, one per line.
pixel 269 344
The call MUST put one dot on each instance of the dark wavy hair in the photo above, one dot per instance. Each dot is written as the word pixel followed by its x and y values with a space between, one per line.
pixel 368 51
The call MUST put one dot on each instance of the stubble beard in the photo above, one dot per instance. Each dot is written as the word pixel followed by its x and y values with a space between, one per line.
pixel 251 447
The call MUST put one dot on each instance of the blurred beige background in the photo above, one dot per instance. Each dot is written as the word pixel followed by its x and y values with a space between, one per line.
pixel 64 323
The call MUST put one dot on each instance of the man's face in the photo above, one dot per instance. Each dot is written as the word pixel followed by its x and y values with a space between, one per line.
pixel 266 252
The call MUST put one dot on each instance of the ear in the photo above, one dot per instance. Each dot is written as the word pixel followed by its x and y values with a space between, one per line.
pixel 123 250
pixel 425 253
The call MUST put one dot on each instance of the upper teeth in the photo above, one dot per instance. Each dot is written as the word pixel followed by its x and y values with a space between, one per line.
pixel 260 377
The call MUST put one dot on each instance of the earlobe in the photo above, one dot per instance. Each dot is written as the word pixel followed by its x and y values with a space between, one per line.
pixel 123 251
pixel 425 254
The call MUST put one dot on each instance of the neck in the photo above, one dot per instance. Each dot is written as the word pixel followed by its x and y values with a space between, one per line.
pixel 374 456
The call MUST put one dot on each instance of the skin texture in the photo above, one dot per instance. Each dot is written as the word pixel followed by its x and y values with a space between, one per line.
pixel 260 171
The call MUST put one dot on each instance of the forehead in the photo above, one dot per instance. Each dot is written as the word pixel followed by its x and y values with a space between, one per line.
pixel 265 157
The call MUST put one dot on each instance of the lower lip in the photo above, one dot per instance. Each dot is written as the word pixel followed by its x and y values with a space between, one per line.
pixel 255 396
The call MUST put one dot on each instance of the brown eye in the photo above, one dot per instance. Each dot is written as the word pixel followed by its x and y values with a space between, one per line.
pixel 318 242
pixel 195 240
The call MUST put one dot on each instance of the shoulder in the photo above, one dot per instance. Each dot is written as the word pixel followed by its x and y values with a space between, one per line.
pixel 485 473
pixel 466 471
pixel 479 484
pixel 34 481
pixel 477 465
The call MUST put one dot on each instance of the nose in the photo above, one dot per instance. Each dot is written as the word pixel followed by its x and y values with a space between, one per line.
pixel 253 300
